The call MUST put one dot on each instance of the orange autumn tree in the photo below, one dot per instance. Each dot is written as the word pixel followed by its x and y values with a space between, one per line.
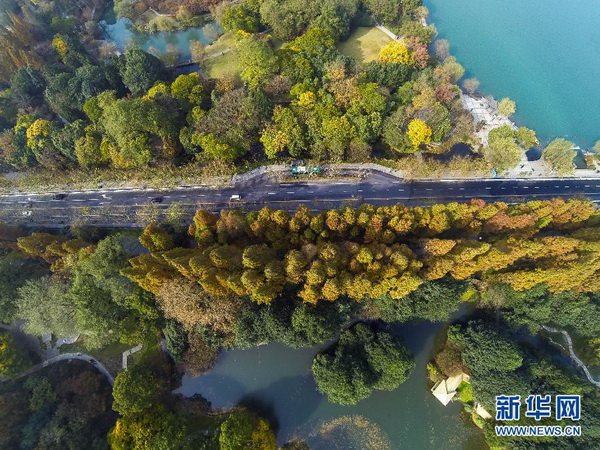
pixel 390 250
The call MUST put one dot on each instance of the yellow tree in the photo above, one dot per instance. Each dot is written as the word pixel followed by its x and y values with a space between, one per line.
pixel 396 52
pixel 419 132
pixel 61 47
pixel 154 238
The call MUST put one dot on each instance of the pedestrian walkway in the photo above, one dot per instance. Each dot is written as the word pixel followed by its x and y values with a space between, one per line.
pixel 69 357
pixel 485 115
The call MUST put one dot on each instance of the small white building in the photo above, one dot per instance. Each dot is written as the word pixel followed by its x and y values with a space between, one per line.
pixel 445 390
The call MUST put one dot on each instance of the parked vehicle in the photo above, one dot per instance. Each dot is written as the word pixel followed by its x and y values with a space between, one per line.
pixel 299 168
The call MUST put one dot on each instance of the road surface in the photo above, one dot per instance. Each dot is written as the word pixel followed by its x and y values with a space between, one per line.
pixel 122 207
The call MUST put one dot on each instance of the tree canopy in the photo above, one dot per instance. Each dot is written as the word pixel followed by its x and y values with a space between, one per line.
pixel 363 360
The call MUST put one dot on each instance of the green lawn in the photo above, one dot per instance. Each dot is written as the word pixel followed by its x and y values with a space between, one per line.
pixel 364 44
pixel 223 64
pixel 224 42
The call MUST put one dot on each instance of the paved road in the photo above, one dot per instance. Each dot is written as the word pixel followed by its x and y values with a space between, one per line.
pixel 119 207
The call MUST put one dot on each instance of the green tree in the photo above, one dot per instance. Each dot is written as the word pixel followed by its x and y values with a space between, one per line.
pixel 506 107
pixel 386 11
pixel 27 85
pixel 136 391
pixel 46 308
pixel 215 149
pixel 243 429
pixel 139 70
pixel 285 134
pixel 257 61
pixel 103 298
pixel 41 392
pixel 394 135
pixel 14 272
pixel 138 128
pixel 559 154
pixel 88 149
pixel 526 138
pixel 65 138
pixel 433 301
pixel 176 340
pixel 14 358
pixel 487 350
pixel 244 16
pixel 188 89
pixel 235 120
pixel 361 361
pixel 503 153
pixel 388 75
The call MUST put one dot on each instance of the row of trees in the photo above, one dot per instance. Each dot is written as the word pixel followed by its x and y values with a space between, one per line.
pixel 85 292
pixel 372 252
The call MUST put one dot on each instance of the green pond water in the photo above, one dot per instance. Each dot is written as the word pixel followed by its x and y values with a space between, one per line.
pixel 276 381
pixel 121 33
pixel 545 55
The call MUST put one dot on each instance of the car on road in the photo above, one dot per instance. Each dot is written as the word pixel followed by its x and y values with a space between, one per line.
pixel 156 200
pixel 59 196
pixel 26 213
pixel 235 197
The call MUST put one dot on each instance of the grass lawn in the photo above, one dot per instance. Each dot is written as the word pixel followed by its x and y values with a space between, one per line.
pixel 224 64
pixel 224 42
pixel 364 44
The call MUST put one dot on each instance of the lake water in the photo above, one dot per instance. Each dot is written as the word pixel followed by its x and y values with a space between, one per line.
pixel 276 381
pixel 545 55
pixel 120 32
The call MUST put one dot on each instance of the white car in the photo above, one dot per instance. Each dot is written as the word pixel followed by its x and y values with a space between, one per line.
pixel 235 197
pixel 26 213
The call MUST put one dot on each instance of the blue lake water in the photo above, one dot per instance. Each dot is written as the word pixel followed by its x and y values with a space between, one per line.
pixel 544 54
